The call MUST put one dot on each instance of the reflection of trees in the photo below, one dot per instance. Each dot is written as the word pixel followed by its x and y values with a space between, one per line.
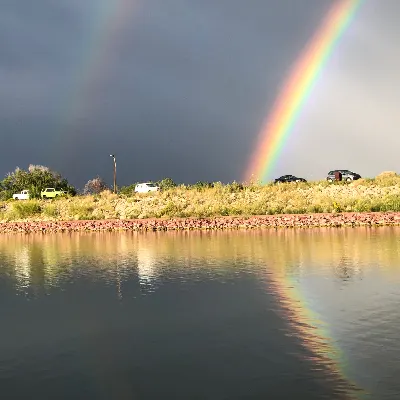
pixel 44 259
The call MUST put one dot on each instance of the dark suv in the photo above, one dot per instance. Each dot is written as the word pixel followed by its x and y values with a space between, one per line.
pixel 347 175
pixel 289 178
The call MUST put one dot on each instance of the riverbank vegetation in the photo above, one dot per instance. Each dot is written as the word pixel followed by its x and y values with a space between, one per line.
pixel 35 179
pixel 210 200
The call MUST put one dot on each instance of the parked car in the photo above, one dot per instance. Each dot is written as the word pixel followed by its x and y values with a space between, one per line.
pixel 146 187
pixel 289 178
pixel 50 193
pixel 347 175
pixel 24 195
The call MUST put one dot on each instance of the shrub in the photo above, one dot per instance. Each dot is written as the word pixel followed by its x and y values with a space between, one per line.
pixel 127 190
pixel 81 211
pixel 25 209
pixel 95 186
pixel 166 183
pixel 234 187
pixel 201 185
pixel 386 179
pixel 51 210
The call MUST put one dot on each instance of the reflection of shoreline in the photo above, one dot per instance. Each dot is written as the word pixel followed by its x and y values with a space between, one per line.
pixel 56 256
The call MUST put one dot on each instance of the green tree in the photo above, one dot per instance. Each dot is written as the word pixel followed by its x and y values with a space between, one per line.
pixel 166 183
pixel 127 190
pixel 35 179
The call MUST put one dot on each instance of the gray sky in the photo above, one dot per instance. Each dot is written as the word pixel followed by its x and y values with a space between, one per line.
pixel 179 88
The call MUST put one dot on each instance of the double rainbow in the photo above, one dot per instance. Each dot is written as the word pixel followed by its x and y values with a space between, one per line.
pixel 298 88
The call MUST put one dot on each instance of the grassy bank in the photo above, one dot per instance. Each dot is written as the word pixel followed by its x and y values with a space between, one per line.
pixel 379 194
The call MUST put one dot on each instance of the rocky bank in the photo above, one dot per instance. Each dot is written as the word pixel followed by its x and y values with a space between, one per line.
pixel 266 221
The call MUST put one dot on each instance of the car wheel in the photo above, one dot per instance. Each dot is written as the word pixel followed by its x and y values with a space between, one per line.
pixel 348 179
pixel 298 180
pixel 330 180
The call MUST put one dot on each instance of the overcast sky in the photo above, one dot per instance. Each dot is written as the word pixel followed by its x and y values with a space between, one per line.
pixel 180 88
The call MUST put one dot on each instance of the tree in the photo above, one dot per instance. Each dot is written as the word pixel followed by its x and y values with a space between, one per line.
pixel 127 190
pixel 166 183
pixel 95 186
pixel 35 179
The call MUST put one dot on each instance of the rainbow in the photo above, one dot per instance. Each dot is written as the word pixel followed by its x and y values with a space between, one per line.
pixel 297 89
pixel 313 333
pixel 108 19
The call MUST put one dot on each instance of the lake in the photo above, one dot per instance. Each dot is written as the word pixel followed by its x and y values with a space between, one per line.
pixel 262 314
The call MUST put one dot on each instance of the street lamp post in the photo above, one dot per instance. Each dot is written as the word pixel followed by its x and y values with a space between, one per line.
pixel 115 173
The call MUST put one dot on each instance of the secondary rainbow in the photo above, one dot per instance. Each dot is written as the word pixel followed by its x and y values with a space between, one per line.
pixel 97 54
pixel 297 89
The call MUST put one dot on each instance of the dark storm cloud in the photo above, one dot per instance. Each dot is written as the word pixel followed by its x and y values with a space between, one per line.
pixel 181 89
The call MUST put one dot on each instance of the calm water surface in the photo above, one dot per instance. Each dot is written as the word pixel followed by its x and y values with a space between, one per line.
pixel 229 315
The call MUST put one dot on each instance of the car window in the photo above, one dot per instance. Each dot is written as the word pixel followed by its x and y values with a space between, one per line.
pixel 151 185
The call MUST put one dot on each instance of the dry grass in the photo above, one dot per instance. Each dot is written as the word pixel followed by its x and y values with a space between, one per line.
pixel 379 194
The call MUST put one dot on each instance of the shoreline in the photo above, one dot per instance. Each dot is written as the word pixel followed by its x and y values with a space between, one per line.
pixel 281 221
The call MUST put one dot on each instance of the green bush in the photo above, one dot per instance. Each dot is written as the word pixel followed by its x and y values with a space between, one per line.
pixel 25 209
pixel 201 185
pixel 51 210
pixel 127 190
pixel 166 183
pixel 169 210
pixel 81 211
